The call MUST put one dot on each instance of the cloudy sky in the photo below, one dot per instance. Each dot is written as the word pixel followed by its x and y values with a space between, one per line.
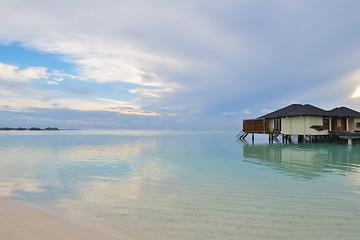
pixel 159 64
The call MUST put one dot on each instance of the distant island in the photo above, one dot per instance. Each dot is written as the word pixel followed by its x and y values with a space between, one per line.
pixel 29 129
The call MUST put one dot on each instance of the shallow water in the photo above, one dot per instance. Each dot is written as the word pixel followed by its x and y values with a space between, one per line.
pixel 164 185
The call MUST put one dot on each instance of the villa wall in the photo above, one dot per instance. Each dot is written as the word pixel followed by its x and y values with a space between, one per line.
pixel 356 124
pixel 271 125
pixel 301 125
pixel 351 122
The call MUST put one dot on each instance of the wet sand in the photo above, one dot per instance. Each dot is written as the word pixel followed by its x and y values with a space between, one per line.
pixel 25 222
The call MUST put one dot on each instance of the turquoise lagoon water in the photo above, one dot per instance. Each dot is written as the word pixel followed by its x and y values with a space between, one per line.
pixel 165 185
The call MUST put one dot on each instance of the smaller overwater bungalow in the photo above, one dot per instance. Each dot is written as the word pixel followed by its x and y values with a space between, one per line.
pixel 306 122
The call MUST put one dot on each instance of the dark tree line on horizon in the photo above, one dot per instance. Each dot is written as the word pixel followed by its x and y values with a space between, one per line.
pixel 29 129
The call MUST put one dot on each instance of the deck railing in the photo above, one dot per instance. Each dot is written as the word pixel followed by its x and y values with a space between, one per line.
pixel 258 126
pixel 255 126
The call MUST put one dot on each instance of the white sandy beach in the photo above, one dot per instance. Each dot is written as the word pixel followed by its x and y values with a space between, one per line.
pixel 24 222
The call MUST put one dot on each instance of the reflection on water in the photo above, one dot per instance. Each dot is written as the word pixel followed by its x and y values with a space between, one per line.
pixel 49 166
pixel 167 185
pixel 307 160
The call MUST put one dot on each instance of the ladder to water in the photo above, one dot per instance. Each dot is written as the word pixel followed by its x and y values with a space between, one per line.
pixel 242 135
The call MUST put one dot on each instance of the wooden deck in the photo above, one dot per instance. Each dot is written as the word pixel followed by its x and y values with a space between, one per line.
pixel 350 136
pixel 257 126
pixel 346 134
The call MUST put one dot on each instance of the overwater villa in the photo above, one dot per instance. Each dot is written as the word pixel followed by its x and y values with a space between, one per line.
pixel 305 121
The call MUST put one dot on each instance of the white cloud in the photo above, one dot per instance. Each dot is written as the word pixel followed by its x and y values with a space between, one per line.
pixel 99 104
pixel 228 113
pixel 106 60
pixel 13 73
pixel 56 76
pixel 22 97
pixel 156 93
pixel 120 46
pixel 245 112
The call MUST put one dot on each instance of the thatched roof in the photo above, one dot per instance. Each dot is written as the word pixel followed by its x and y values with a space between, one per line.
pixel 294 110
pixel 344 112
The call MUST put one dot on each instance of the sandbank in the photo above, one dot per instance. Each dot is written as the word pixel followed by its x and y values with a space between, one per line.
pixel 22 221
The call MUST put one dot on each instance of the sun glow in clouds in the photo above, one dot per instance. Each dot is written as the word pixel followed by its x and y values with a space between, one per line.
pixel 356 94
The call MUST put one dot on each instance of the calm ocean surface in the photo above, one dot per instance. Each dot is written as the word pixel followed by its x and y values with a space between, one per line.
pixel 177 185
